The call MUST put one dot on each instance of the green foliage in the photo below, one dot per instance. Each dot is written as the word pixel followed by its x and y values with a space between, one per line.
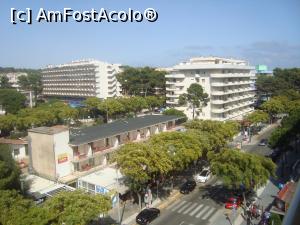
pixel 12 100
pixel 274 106
pixel 7 124
pixel 258 116
pixel 225 130
pixel 140 162
pixel 15 210
pixel 142 81
pixel 235 168
pixel 287 132
pixel 152 102
pixel 76 207
pixel 9 172
pixel 111 107
pixel 64 208
pixel 4 82
pixel 195 96
pixel 182 147
pixel 283 81
pixel 31 82
pixel 134 104
pixel 175 112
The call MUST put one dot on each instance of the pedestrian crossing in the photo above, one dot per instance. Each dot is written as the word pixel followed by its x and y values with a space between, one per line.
pixel 194 209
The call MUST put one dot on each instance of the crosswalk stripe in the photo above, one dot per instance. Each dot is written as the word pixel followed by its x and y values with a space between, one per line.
pixel 195 210
pixel 190 208
pixel 172 205
pixel 184 207
pixel 202 211
pixel 208 213
pixel 177 206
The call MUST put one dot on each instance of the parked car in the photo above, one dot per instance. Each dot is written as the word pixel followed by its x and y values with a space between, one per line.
pixel 203 176
pixel 147 215
pixel 263 142
pixel 188 187
pixel 233 202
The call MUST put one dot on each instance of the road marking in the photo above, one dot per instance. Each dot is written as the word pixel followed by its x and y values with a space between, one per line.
pixel 181 223
pixel 177 206
pixel 172 205
pixel 184 207
pixel 190 208
pixel 202 211
pixel 208 213
pixel 195 210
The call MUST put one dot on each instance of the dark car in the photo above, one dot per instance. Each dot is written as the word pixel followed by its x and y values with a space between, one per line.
pixel 263 142
pixel 147 215
pixel 188 186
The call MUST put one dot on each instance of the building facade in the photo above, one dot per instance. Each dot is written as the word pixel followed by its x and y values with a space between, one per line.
pixel 228 82
pixel 81 79
pixel 13 78
pixel 57 153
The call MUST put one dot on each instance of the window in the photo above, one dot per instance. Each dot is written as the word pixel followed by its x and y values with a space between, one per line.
pixel 16 152
pixel 203 81
pixel 197 79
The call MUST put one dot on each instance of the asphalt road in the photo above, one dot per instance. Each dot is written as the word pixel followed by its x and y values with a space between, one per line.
pixel 198 207
pixel 255 148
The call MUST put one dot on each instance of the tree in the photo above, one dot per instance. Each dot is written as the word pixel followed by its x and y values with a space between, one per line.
pixel 4 82
pixel 63 208
pixel 76 207
pixel 16 210
pixel 134 104
pixel 195 96
pixel 31 82
pixel 274 107
pixel 225 131
pixel 7 124
pixel 258 116
pixel 111 107
pixel 140 162
pixel 183 148
pixel 153 102
pixel 9 172
pixel 92 104
pixel 175 112
pixel 238 168
pixel 142 81
pixel 11 100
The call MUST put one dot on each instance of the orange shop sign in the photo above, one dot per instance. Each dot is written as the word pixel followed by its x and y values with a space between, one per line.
pixel 61 158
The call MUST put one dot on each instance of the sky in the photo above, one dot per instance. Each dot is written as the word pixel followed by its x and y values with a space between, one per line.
pixel 259 31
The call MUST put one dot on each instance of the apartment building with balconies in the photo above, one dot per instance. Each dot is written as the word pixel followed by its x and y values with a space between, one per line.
pixel 63 154
pixel 228 82
pixel 81 79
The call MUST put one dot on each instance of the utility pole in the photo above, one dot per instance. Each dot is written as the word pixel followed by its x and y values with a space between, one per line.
pixel 118 198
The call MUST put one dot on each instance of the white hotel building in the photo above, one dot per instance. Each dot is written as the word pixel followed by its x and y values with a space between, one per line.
pixel 227 82
pixel 81 79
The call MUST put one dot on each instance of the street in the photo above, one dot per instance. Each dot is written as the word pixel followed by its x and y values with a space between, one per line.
pixel 206 205
pixel 194 208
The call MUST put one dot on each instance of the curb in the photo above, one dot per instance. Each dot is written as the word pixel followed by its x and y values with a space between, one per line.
pixel 169 201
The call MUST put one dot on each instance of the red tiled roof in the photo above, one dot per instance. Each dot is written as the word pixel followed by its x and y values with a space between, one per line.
pixel 287 192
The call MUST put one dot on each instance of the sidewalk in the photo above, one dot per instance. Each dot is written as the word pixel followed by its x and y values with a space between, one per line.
pixel 255 138
pixel 231 217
